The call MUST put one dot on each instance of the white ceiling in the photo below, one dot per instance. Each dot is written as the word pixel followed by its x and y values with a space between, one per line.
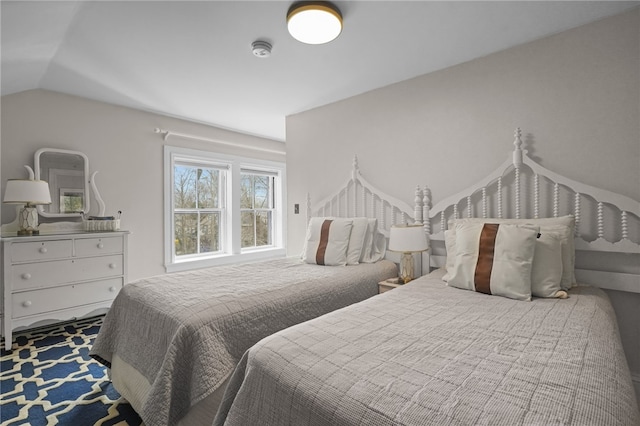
pixel 193 60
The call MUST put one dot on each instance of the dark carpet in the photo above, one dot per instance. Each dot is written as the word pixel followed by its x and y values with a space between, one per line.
pixel 49 379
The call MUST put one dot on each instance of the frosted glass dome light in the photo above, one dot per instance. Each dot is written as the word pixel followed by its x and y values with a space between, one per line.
pixel 314 22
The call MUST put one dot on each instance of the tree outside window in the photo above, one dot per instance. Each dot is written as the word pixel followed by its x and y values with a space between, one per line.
pixel 197 209
pixel 221 209
pixel 257 207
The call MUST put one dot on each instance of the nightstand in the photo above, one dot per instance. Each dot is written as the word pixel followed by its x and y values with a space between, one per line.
pixel 386 286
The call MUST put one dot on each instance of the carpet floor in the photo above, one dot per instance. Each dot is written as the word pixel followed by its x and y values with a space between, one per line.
pixel 49 379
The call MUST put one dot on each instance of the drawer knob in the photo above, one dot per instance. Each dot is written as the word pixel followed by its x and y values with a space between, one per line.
pixel 26 276
pixel 42 250
pixel 26 303
pixel 112 265
pixel 112 289
pixel 100 245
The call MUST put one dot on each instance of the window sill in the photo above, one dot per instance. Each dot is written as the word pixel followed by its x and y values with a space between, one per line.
pixel 226 259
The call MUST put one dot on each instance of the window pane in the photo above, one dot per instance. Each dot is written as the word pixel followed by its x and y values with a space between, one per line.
pixel 186 233
pixel 261 193
pixel 184 187
pixel 208 186
pixel 263 228
pixel 248 229
pixel 209 232
pixel 246 194
pixel 71 201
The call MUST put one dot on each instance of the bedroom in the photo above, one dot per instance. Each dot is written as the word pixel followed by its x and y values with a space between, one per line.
pixel 575 94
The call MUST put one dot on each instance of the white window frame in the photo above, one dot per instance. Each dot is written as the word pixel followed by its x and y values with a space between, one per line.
pixel 231 228
pixel 272 194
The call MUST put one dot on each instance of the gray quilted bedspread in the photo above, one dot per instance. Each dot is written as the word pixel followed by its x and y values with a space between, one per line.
pixel 428 354
pixel 185 332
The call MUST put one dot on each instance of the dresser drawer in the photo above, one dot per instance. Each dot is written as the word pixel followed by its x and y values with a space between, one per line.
pixel 46 274
pixel 41 250
pixel 51 299
pixel 98 246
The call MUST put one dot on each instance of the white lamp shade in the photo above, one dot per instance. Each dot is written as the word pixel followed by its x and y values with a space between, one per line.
pixel 23 191
pixel 314 22
pixel 408 238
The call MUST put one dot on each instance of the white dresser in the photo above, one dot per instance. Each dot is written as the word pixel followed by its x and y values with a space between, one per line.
pixel 58 277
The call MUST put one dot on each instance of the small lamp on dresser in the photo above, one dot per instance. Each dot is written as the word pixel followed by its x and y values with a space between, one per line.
pixel 29 192
pixel 407 239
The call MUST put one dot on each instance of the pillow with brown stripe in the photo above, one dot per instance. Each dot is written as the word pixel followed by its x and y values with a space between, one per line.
pixel 562 225
pixel 327 241
pixel 494 259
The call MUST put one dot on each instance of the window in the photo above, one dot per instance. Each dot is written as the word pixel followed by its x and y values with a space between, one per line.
pixel 71 200
pixel 197 213
pixel 221 209
pixel 256 208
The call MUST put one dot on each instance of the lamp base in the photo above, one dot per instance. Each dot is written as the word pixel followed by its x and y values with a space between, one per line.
pixel 406 267
pixel 28 220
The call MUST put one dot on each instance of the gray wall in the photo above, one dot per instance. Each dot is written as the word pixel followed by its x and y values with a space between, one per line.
pixel 576 96
pixel 122 147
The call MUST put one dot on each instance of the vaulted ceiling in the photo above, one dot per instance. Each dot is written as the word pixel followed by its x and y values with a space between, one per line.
pixel 193 60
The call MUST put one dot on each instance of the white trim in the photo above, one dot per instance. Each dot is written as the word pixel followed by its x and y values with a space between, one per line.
pixel 225 259
pixel 167 133
pixel 231 226
pixel 610 280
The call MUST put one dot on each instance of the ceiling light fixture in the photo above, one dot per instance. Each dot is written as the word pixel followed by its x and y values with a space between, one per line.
pixel 314 22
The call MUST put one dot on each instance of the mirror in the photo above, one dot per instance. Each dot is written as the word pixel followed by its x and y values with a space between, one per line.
pixel 68 175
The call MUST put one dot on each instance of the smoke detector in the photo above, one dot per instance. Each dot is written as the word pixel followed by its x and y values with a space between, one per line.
pixel 261 49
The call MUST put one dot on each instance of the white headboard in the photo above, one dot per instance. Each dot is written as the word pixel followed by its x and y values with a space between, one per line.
pixel 607 224
pixel 521 188
pixel 357 197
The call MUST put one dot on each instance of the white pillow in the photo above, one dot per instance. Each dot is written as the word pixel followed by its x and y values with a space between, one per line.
pixel 450 246
pixel 368 244
pixel 356 240
pixel 327 241
pixel 494 259
pixel 378 249
pixel 567 252
pixel 546 272
pixel 563 225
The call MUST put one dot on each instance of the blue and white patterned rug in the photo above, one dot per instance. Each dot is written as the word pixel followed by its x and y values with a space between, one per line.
pixel 49 379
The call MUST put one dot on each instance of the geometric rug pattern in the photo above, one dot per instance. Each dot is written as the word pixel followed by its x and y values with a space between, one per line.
pixel 50 379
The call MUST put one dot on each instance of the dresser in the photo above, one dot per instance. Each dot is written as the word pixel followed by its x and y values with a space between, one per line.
pixel 58 277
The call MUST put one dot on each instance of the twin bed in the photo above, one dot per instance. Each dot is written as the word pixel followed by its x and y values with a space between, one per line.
pixel 424 353
pixel 430 354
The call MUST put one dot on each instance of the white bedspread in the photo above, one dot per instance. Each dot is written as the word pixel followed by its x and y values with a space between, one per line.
pixel 428 354
pixel 185 332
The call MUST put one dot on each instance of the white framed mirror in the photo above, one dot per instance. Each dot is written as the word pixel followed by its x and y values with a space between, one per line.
pixel 68 175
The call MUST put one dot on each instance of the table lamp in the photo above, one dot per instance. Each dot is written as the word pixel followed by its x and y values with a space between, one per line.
pixel 407 239
pixel 29 192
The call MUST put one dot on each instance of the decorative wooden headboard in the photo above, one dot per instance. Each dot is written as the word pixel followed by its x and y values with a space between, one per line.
pixel 521 188
pixel 606 222
pixel 358 197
